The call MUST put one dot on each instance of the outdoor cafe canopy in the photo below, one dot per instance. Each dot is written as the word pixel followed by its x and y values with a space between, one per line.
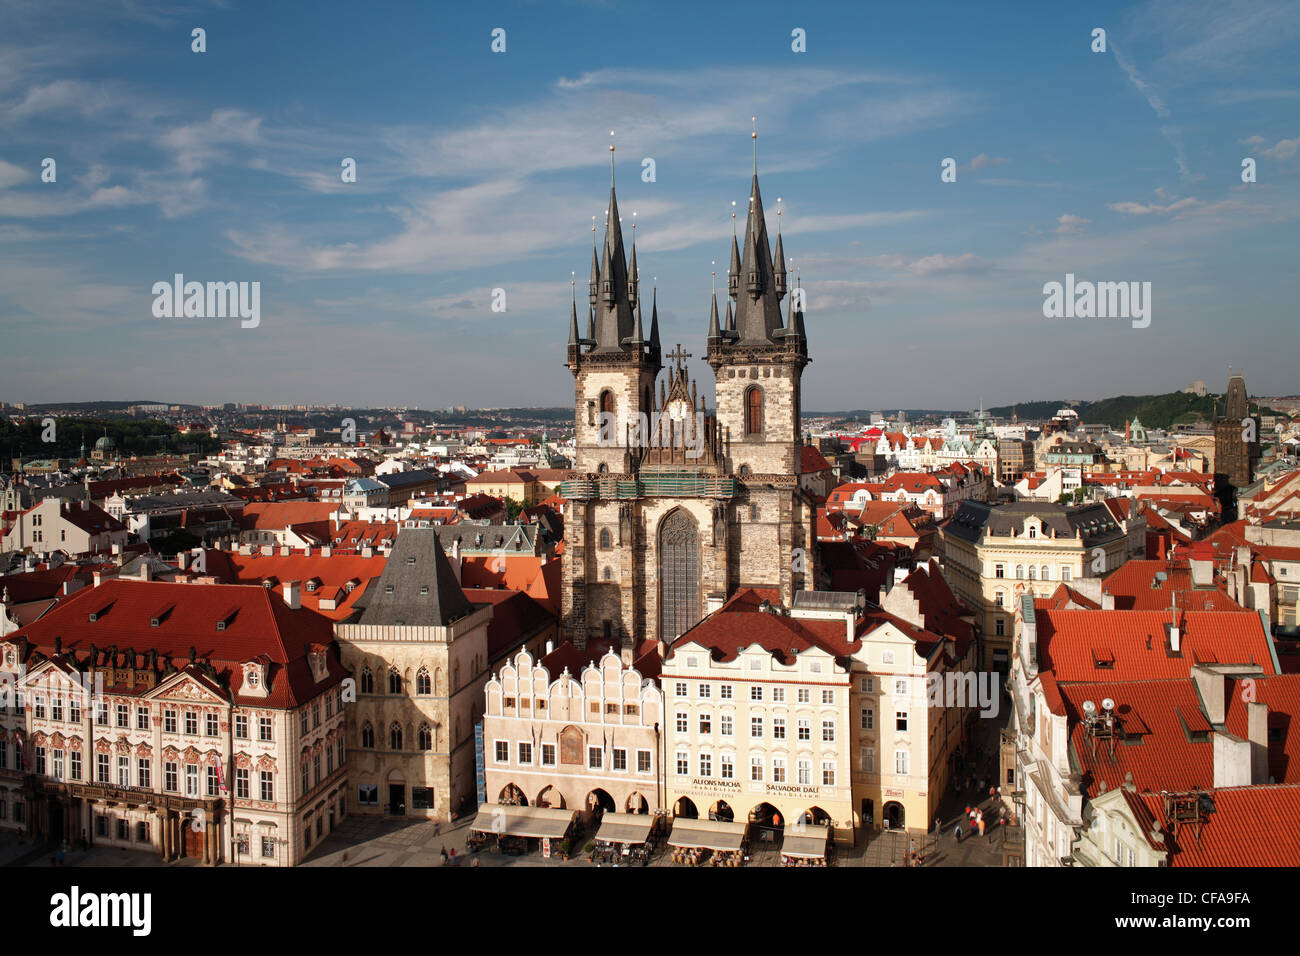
pixel 538 822
pixel 631 828
pixel 718 835
pixel 811 843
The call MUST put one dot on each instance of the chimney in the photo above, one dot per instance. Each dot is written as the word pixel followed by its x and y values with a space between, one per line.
pixel 1232 761
pixel 284 551
pixel 325 552
pixel 146 573
pixel 1212 686
pixel 1107 601
pixel 1257 732
pixel 625 653
pixel 550 646
pixel 85 505
pixel 292 594
pixel 98 579
pixel 183 560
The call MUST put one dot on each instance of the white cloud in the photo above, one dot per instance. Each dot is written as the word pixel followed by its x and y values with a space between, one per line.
pixel 1070 223
pixel 11 175
pixel 1284 149
pixel 985 161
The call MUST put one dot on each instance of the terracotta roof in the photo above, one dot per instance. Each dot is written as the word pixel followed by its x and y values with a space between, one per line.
pixel 1281 694
pixel 515 618
pixel 811 460
pixel 1131 645
pixel 739 624
pixel 257 622
pixel 913 482
pixel 1250 826
pixel 1166 741
pixel 279 515
pixel 1140 585
pixel 331 575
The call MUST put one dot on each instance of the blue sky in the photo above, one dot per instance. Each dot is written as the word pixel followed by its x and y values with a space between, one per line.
pixel 479 170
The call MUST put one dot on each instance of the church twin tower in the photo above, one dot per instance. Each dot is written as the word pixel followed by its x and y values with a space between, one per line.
pixel 672 507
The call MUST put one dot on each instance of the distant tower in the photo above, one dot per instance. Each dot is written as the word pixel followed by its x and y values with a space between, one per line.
pixel 1234 457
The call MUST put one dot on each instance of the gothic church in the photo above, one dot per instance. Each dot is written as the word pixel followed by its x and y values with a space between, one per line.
pixel 672 507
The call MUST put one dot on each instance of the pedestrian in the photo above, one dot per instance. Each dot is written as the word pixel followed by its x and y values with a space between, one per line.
pixel 938 825
pixel 444 856
pixel 912 849
pixel 992 792
pixel 979 820
pixel 957 832
pixel 452 856
pixel 475 863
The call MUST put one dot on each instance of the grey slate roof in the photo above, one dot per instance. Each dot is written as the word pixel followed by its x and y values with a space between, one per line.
pixel 403 479
pixel 417 588
pixel 479 538
pixel 1095 521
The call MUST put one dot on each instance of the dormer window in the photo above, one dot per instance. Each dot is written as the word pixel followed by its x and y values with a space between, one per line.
pixel 252 680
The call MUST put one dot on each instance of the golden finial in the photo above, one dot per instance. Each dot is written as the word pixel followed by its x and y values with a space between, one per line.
pixel 611 162
pixel 754 137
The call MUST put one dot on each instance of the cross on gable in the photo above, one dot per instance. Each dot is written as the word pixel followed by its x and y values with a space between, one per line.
pixel 678 355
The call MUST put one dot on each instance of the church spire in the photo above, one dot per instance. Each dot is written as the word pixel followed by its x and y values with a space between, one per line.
pixel 593 286
pixel 654 322
pixel 614 305
pixel 779 258
pixel 733 270
pixel 573 314
pixel 714 332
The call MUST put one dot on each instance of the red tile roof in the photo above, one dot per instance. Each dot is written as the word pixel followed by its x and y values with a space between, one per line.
pixel 515 618
pixel 1167 742
pixel 257 622
pixel 1076 644
pixel 1281 694
pixel 1250 826
pixel 330 575
pixel 1136 588
pixel 811 460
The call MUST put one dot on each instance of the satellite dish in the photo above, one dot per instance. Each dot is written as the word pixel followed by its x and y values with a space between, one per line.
pixel 1089 708
pixel 1108 704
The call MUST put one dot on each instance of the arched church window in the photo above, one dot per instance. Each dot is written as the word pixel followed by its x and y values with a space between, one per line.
pixel 678 575
pixel 744 471
pixel 367 681
pixel 394 681
pixel 422 683
pixel 426 737
pixel 754 411
pixel 395 737
pixel 606 541
pixel 367 736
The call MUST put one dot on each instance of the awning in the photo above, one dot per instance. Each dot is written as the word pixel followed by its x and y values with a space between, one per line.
pixel 536 822
pixel 710 834
pixel 811 843
pixel 625 827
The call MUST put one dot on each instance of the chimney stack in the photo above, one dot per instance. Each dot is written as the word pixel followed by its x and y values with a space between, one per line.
pixel 1257 732
pixel 292 594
